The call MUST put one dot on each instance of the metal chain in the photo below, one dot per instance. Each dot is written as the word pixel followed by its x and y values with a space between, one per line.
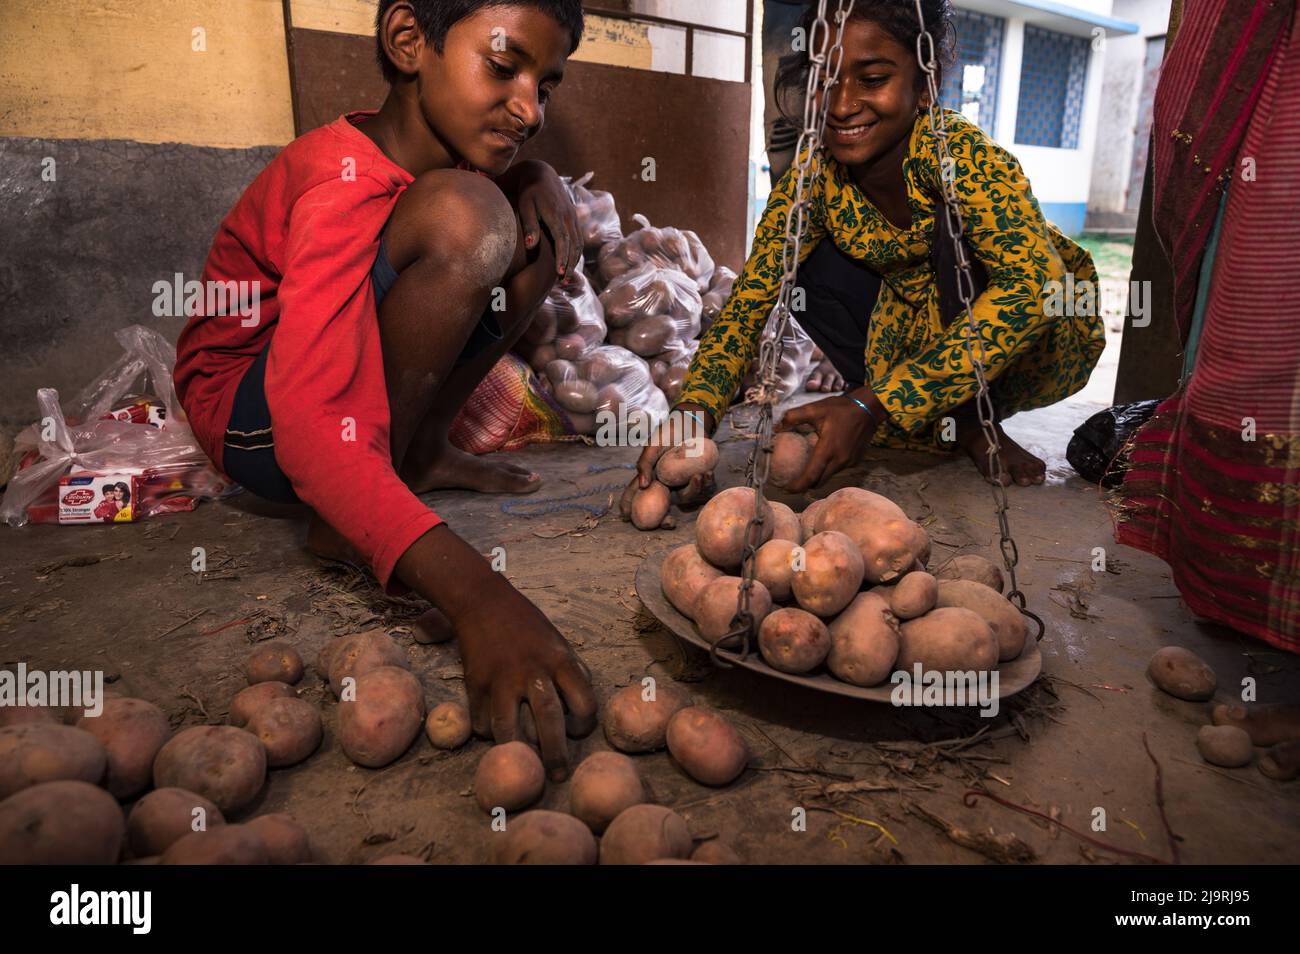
pixel 925 56
pixel 825 57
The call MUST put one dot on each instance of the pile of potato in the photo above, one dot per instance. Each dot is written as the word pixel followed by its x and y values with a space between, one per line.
pixel 669 248
pixel 607 798
pixel 569 324
pixel 606 379
pixel 61 784
pixel 842 585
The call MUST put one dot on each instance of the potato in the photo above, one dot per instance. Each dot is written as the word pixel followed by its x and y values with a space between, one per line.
pixel 794 640
pixel 888 547
pixel 1182 673
pixel 685 574
pixel 787 526
pixel 35 752
pixel 289 728
pixel 650 506
pixel 831 574
pixel 720 530
pixel 694 456
pixel 864 641
pixel 224 764
pixel 715 853
pixel 448 726
pixel 165 815
pixel 273 662
pixel 599 370
pixel 635 723
pixel 363 652
pixel 577 395
pixel 848 504
pixel 790 453
pixel 570 347
pixel 1225 745
pixel 603 786
pixel 808 518
pixel 948 639
pixel 248 701
pixel 66 822
pixel 131 731
pixel 774 567
pixel 384 718
pixel 707 746
pixel 509 776
pixel 645 833
pixel 542 837
pixel 286 841
pixel 915 595
pixel 648 336
pixel 225 845
pixel 971 567
pixel 718 602
pixel 432 626
pixel 1007 622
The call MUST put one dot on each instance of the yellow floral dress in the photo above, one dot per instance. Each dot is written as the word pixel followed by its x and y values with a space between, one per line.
pixel 918 369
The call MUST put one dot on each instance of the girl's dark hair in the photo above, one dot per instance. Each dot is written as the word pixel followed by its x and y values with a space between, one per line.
pixel 436 17
pixel 895 17
pixel 126 492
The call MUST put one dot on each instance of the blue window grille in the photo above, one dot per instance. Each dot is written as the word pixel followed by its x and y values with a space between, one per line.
pixel 1053 74
pixel 971 86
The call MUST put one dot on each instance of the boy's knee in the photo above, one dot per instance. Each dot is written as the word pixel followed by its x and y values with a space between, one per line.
pixel 458 217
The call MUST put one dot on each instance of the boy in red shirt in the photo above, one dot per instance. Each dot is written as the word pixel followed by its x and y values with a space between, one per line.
pixel 380 245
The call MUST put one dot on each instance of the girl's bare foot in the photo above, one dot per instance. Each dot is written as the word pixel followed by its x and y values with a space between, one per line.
pixel 1266 725
pixel 1018 465
pixel 824 378
pixel 454 469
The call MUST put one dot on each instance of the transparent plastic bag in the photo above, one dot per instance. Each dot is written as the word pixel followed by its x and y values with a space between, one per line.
pixel 85 437
pixel 796 360
pixel 597 216
pixel 711 302
pixel 607 380
pixel 662 247
pixel 577 314
pixel 668 369
pixel 650 307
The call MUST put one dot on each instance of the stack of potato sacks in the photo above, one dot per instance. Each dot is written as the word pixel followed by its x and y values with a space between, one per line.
pixel 842 585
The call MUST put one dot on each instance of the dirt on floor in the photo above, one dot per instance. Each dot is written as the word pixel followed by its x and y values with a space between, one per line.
pixel 1093 744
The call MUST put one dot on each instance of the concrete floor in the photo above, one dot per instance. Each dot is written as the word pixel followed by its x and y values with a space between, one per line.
pixel 1067 746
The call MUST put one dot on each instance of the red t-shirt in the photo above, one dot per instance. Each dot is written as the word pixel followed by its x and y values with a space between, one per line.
pixel 308 229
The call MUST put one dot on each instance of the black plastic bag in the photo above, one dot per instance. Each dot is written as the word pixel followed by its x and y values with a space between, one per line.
pixel 1095 447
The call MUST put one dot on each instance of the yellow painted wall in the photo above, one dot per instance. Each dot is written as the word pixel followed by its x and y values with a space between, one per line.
pixel 126 69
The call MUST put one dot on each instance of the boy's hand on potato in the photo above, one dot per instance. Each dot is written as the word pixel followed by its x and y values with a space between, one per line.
pixel 843 432
pixel 513 654
pixel 678 427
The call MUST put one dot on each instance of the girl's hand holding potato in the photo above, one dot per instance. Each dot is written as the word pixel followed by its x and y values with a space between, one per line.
pixel 844 429
pixel 686 421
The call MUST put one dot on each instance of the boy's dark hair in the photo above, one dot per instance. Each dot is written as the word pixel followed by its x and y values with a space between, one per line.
pixel 436 17
pixel 895 17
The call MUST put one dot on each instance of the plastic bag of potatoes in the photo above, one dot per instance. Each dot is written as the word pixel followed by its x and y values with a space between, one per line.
pixel 796 358
pixel 668 368
pixel 597 217
pixel 569 323
pixel 650 307
pixel 666 247
pixel 711 302
pixel 606 379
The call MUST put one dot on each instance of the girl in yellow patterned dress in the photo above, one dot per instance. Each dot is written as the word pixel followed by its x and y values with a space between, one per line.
pixel 875 197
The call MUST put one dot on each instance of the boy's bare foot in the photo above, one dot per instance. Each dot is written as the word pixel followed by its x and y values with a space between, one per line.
pixel 454 469
pixel 1019 466
pixel 326 542
pixel 1266 725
